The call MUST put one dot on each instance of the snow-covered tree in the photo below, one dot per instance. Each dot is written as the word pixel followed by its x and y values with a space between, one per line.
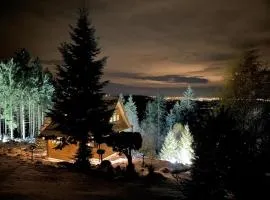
pixel 149 130
pixel 182 110
pixel 186 152
pixel 177 147
pixel 170 119
pixel 131 110
pixel 169 149
pixel 154 123
pixel 187 103
pixel 177 111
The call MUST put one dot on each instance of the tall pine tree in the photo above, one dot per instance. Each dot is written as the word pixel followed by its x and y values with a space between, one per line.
pixel 79 105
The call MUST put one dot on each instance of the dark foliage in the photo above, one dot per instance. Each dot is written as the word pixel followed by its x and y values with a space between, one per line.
pixel 229 161
pixel 125 142
pixel 79 106
pixel 249 79
pixel 106 168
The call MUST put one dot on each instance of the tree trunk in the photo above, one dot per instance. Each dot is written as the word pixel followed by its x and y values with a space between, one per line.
pixel 42 115
pixel 22 120
pixel 34 120
pixel 5 127
pixel 5 117
pixel 29 118
pixel 130 167
pixel 38 119
pixel 11 123
pixel 83 153
pixel 18 119
pixel 2 135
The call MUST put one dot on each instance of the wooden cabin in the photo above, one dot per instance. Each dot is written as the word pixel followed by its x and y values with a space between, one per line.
pixel 118 119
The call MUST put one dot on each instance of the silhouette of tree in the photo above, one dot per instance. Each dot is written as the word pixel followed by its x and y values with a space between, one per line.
pixel 125 142
pixel 230 161
pixel 79 105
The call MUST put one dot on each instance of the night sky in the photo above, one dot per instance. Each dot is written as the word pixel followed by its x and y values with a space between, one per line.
pixel 153 45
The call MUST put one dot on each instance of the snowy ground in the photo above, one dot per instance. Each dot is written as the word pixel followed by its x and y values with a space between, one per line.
pixel 22 179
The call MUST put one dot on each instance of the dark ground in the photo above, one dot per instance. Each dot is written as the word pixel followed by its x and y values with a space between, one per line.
pixel 23 180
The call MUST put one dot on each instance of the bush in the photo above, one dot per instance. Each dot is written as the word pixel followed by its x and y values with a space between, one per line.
pixel 106 167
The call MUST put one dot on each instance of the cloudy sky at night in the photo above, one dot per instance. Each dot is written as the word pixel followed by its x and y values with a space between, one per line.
pixel 152 45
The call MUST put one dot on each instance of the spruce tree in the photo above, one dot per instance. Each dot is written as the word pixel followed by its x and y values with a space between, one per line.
pixel 170 120
pixel 160 120
pixel 186 152
pixel 177 112
pixel 149 131
pixel 154 123
pixel 79 105
pixel 177 147
pixel 131 110
pixel 187 106
pixel 170 148
pixel 187 103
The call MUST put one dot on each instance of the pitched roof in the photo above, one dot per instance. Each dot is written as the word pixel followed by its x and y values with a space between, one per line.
pixel 49 128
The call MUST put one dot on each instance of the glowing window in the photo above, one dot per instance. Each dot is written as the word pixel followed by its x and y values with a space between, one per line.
pixel 115 118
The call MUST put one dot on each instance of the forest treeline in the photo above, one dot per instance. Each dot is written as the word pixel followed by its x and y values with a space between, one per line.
pixel 26 91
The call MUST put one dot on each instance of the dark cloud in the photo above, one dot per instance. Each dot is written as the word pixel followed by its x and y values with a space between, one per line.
pixel 115 89
pixel 154 38
pixel 176 79
pixel 165 78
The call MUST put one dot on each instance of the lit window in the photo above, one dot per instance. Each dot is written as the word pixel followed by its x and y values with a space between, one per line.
pixel 114 118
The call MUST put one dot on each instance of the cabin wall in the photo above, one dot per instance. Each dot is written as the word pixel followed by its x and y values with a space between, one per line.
pixel 68 152
pixel 108 151
pixel 119 125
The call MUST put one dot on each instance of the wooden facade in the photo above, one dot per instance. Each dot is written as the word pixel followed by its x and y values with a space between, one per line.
pixel 119 120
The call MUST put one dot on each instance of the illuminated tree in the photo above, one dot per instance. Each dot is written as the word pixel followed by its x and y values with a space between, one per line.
pixel 169 149
pixel 149 131
pixel 79 105
pixel 183 111
pixel 132 115
pixel 23 85
pixel 154 123
pixel 148 144
pixel 9 94
pixel 170 119
pixel 185 152
pixel 177 147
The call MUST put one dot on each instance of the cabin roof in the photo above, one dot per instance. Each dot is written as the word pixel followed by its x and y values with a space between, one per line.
pixel 49 128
